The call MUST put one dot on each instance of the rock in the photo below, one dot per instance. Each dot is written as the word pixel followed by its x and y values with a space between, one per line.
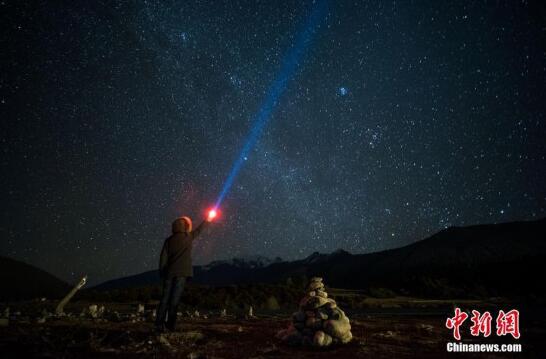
pixel 316 302
pixel 250 313
pixel 319 322
pixel 321 339
pixel 140 309
pixel 272 303
pixel 313 323
pixel 387 334
pixel 163 340
pixel 321 314
pixel 270 350
pixel 315 285
pixel 298 316
pixel 93 310
pixel 331 304
pixel 309 314
pixel 196 355
pixel 426 327
pixel 192 335
pixel 337 328
pixel 281 334
pixel 347 337
pixel 336 314
pixel 114 316
pixel 196 314
pixel 321 293
pixel 303 301
pixel 291 335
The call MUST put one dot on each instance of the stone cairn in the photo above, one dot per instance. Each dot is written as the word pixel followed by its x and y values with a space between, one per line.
pixel 319 322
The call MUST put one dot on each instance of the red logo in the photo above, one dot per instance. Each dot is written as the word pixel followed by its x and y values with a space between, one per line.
pixel 455 322
pixel 507 323
pixel 481 324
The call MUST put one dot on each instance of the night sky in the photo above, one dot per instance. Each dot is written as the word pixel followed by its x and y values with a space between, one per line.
pixel 402 118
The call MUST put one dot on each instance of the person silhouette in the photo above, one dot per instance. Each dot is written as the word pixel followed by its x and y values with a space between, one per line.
pixel 175 266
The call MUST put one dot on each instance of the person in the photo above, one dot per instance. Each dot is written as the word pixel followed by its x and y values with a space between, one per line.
pixel 175 266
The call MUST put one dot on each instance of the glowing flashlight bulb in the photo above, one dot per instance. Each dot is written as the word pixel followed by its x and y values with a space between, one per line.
pixel 212 214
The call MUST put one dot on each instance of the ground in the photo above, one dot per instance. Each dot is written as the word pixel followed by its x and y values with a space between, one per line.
pixel 386 333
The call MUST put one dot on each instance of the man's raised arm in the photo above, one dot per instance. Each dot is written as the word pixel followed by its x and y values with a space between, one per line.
pixel 199 229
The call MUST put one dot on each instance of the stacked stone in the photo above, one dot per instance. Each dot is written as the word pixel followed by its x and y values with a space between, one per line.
pixel 319 322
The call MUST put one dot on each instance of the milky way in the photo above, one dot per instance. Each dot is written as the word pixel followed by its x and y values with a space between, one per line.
pixel 402 119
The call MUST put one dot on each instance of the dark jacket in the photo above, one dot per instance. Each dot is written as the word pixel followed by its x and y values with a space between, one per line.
pixel 175 259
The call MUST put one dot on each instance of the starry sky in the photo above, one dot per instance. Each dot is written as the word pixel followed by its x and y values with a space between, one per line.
pixel 401 119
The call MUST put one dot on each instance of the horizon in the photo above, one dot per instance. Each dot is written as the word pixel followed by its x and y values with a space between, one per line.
pixel 92 283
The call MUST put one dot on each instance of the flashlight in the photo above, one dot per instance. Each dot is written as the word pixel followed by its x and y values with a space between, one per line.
pixel 212 214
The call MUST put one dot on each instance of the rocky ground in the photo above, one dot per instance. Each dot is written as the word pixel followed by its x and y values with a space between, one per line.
pixel 398 327
pixel 374 336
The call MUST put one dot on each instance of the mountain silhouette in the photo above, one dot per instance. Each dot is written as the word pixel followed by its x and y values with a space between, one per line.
pixel 19 280
pixel 493 259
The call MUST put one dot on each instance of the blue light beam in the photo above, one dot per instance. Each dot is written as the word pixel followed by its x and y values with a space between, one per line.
pixel 289 65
